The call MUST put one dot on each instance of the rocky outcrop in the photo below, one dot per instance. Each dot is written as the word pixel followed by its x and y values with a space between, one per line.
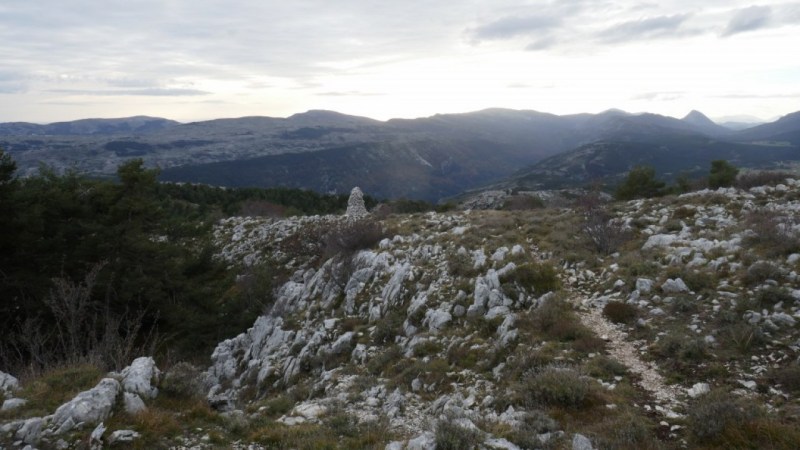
pixel 91 407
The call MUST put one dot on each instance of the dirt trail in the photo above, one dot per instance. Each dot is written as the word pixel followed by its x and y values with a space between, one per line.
pixel 626 352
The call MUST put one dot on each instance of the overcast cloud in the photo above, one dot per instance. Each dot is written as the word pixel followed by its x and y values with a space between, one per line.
pixel 199 59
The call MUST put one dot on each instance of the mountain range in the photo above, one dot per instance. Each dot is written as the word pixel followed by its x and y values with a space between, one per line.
pixel 427 158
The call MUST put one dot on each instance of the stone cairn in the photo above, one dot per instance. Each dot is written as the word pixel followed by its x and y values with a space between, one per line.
pixel 355 205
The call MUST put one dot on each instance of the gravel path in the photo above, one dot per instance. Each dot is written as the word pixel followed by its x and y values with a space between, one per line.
pixel 626 352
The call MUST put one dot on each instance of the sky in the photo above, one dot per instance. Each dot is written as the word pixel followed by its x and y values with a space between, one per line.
pixel 191 60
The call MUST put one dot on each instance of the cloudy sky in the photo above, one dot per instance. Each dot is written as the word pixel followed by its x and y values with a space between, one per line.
pixel 200 59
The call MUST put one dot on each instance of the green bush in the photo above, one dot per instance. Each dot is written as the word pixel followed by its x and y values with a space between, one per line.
pixel 540 278
pixel 556 320
pixel 722 174
pixel 640 182
pixel 619 312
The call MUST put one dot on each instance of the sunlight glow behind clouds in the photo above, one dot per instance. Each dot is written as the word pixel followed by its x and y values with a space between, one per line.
pixel 205 59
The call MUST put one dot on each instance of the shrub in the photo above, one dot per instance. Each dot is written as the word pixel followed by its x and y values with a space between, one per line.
pixel 604 367
pixel 771 296
pixel 627 431
pixel 540 278
pixel 387 329
pixel 752 179
pixel 640 182
pixel 762 271
pixel 771 232
pixel 461 266
pixel 619 312
pixel 682 347
pixel 556 321
pixel 605 234
pixel 715 411
pixel 556 386
pixel 183 380
pixel 788 377
pixel 532 425
pixel 348 237
pixel 744 336
pixel 451 436
pixel 722 174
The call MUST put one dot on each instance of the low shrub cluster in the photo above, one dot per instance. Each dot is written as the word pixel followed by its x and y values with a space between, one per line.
pixel 619 312
pixel 452 436
pixel 539 278
pixel 752 179
pixel 555 386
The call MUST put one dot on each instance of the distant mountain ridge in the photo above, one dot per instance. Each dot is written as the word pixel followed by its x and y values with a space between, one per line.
pixel 427 158
pixel 136 124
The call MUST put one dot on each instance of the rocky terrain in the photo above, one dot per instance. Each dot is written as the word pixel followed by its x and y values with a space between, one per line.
pixel 670 324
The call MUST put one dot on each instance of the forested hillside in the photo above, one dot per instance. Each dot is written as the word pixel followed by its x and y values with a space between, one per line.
pixel 124 263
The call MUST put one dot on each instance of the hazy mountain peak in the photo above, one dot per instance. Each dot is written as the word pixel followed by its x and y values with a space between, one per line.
pixel 698 118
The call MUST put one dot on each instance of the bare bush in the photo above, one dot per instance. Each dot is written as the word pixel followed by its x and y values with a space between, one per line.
pixel 84 330
pixel 772 232
pixel 351 236
pixel 604 232
pixel 762 178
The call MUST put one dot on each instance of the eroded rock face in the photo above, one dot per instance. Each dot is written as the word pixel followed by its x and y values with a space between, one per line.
pixel 355 205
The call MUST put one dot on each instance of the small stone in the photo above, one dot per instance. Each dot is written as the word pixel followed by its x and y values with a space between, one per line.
pixel 581 442
pixel 13 403
pixel 675 286
pixel 699 389
pixel 644 285
pixel 123 436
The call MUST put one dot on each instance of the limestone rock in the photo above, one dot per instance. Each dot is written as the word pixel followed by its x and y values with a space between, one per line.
pixel 13 403
pixel 8 383
pixel 31 430
pixel 355 205
pixel 699 389
pixel 675 286
pixel 644 285
pixel 139 377
pixel 89 407
pixel 123 436
pixel 581 442
pixel 133 403
pixel 659 240
pixel 96 438
pixel 425 441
